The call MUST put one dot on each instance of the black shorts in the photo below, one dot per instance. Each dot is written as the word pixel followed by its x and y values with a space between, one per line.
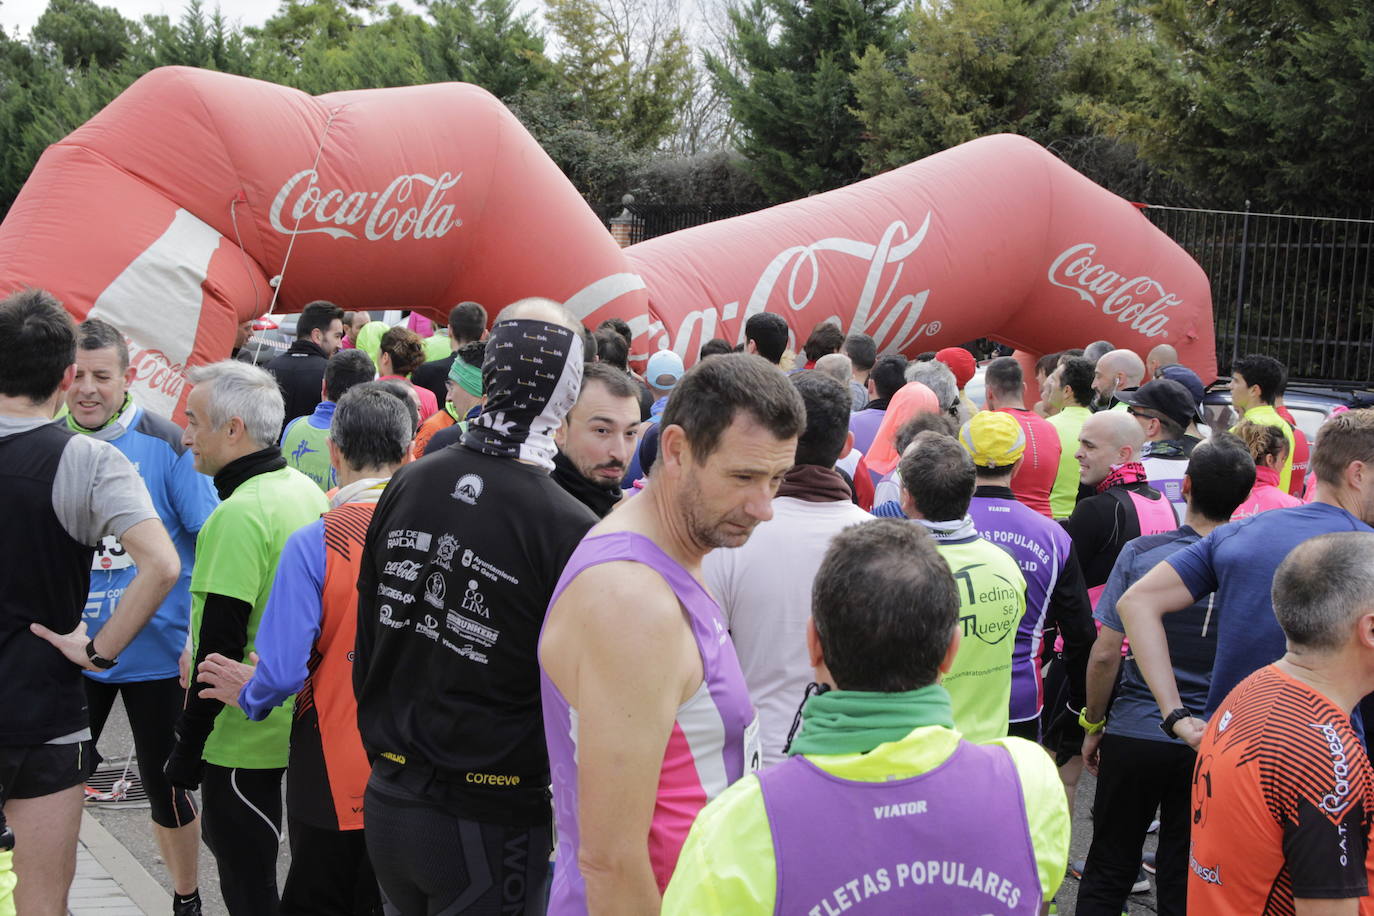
pixel 1029 729
pixel 42 769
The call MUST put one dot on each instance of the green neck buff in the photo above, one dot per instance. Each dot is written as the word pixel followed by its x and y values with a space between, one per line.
pixel 114 417
pixel 856 721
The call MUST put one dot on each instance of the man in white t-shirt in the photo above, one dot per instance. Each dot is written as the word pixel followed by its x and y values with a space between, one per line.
pixel 764 587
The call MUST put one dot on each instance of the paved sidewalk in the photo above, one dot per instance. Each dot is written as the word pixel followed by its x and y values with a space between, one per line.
pixel 109 880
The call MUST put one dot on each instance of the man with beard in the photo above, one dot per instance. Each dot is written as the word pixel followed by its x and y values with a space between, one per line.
pixel 1119 370
pixel 647 715
pixel 460 561
pixel 598 438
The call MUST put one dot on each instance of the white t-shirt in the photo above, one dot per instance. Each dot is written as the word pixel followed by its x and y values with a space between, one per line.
pixel 764 590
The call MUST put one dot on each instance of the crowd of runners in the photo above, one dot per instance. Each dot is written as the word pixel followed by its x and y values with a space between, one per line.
pixel 523 631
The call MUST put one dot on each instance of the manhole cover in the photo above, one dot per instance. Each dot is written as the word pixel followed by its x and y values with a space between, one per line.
pixel 110 786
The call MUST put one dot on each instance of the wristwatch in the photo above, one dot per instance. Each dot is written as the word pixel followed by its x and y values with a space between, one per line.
pixel 1090 728
pixel 1172 719
pixel 104 664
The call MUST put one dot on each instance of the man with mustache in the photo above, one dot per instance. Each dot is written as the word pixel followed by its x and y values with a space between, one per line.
pixel 597 440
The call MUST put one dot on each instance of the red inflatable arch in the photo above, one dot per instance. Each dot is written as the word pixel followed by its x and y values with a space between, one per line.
pixel 172 212
pixel 994 238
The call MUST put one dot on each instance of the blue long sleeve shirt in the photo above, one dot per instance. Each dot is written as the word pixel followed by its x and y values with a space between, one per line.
pixel 290 624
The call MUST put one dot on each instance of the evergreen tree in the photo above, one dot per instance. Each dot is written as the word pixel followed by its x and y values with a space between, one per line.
pixel 84 34
pixel 625 68
pixel 790 88
pixel 1271 100
pixel 486 43
pixel 978 67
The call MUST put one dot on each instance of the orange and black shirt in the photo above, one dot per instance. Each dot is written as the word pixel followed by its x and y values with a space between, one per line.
pixel 1283 795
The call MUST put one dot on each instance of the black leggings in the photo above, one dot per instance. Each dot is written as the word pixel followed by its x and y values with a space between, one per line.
pixel 152 707
pixel 330 873
pixel 1135 776
pixel 430 862
pixel 241 824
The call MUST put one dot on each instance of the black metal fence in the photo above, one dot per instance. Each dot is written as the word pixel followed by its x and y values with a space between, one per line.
pixel 1298 288
pixel 652 220
pixel 1295 287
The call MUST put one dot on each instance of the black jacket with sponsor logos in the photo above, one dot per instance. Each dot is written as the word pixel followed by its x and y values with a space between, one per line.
pixel 461 559
pixel 300 374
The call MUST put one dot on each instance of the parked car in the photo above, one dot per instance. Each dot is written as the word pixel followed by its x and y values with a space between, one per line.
pixel 1310 405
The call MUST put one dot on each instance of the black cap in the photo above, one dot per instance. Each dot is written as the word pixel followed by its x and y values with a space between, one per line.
pixel 1165 396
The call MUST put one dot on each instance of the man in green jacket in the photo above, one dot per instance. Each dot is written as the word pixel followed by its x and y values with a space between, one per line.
pixel 1256 380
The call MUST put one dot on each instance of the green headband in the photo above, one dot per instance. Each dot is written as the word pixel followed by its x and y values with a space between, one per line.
pixel 469 378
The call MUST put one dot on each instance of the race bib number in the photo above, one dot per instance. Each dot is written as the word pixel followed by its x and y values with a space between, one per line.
pixel 753 747
pixel 110 555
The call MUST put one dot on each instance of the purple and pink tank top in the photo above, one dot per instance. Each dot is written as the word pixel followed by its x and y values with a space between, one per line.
pixel 713 743
pixel 953 840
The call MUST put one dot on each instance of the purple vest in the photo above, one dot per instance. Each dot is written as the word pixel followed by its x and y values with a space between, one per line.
pixel 714 740
pixel 864 425
pixel 954 840
pixel 1040 547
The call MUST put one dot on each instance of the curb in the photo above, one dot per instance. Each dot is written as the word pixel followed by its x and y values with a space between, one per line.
pixel 141 887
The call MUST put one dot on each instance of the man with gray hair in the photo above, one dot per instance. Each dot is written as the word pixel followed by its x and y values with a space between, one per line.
pixel 1119 370
pixel 459 563
pixel 1098 349
pixel 1283 793
pixel 837 366
pixel 939 378
pixel 306 644
pixel 233 415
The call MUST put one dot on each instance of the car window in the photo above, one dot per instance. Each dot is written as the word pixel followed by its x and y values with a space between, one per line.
pixel 1309 420
pixel 1220 416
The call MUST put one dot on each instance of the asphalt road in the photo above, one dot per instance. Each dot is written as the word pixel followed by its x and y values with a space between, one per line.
pixel 132 828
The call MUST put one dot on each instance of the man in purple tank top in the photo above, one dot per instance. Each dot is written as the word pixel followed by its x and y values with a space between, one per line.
pixel 882 807
pixel 646 712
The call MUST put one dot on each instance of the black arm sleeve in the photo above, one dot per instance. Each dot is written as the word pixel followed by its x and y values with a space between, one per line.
pixel 223 629
pixel 1091 526
pixel 1071 613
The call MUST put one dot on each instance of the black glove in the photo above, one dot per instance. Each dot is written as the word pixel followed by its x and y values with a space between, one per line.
pixel 184 766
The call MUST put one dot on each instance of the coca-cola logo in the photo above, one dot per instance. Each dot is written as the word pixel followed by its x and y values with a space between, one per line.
pixel 154 371
pixel 882 307
pixel 1139 300
pixel 396 212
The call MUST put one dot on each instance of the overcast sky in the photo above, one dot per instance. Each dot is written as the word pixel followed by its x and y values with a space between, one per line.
pixel 18 16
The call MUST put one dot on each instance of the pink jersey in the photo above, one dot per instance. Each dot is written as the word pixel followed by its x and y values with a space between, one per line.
pixel 1265 495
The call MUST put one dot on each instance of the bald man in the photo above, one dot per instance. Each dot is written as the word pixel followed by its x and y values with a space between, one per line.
pixel 1159 357
pixel 1118 370
pixel 1123 506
